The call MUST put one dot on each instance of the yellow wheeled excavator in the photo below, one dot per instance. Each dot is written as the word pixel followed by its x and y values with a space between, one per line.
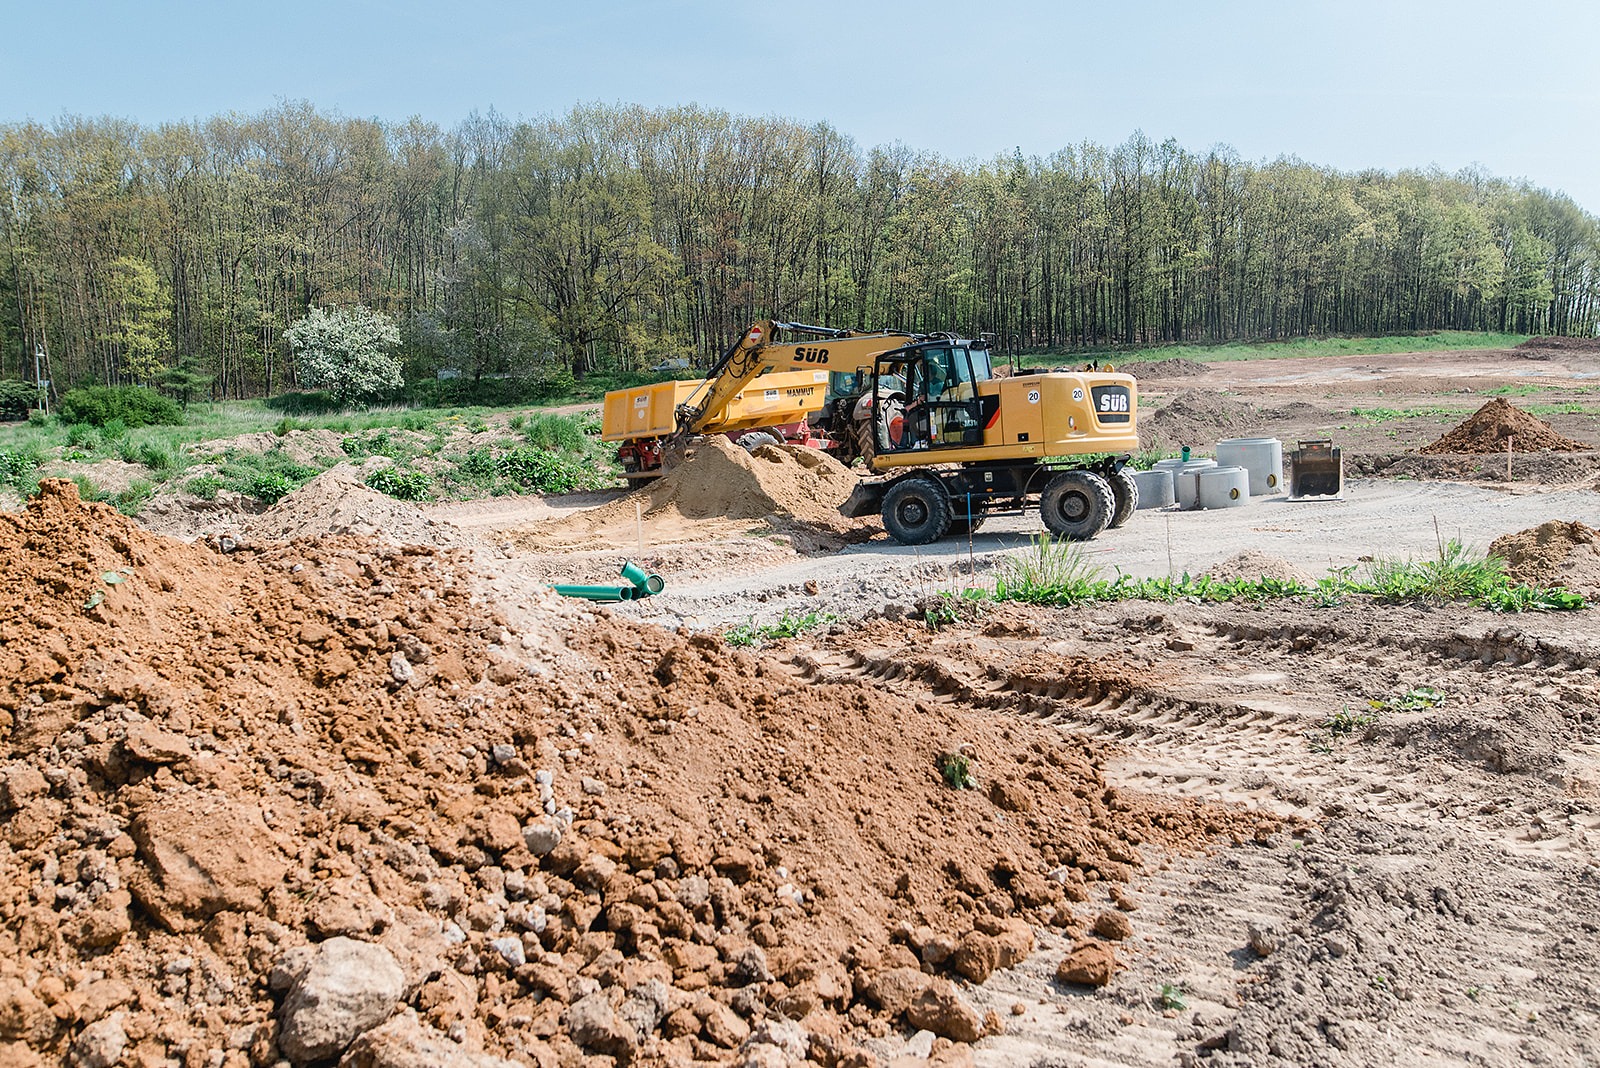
pixel 951 442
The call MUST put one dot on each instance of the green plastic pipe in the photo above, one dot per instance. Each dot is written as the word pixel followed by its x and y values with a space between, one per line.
pixel 642 584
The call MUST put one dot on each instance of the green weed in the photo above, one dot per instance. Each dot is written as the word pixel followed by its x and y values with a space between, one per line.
pixel 789 625
pixel 1390 415
pixel 956 771
pixel 1171 997
pixel 131 501
pixel 205 487
pixel 1416 699
pixel 16 465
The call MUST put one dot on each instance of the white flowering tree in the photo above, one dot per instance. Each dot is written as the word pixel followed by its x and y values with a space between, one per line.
pixel 347 351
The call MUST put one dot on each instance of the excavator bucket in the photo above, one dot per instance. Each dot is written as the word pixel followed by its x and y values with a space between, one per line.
pixel 1316 469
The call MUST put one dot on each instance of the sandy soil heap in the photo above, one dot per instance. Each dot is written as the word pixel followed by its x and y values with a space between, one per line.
pixel 1498 424
pixel 796 490
pixel 1196 417
pixel 337 502
pixel 280 804
pixel 1253 564
pixel 1553 554
pixel 1174 368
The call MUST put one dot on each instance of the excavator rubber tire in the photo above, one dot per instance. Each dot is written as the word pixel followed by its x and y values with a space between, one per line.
pixel 753 440
pixel 962 524
pixel 1126 492
pixel 916 511
pixel 1077 505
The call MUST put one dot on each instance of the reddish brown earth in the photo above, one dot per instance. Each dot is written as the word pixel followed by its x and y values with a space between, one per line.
pixel 1499 426
pixel 209 761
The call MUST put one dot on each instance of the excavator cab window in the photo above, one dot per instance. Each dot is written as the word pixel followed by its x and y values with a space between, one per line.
pixel 941 399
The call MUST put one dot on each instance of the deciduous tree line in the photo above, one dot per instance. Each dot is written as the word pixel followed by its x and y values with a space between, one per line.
pixel 615 237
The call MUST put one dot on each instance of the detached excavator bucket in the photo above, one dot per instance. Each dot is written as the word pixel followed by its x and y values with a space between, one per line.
pixel 1316 469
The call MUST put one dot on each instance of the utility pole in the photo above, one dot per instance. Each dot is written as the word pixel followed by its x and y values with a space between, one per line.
pixel 38 378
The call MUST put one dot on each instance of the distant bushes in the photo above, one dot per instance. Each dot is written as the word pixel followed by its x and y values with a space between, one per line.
pixel 16 398
pixel 131 406
pixel 308 402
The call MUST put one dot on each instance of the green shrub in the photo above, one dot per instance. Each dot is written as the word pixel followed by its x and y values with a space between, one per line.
pixel 17 464
pixel 205 487
pixel 83 436
pixel 308 402
pixel 555 432
pixel 541 470
pixel 16 398
pixel 133 406
pixel 404 485
pixel 478 465
pixel 269 487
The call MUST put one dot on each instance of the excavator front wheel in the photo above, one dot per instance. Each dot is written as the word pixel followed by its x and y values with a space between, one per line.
pixel 916 511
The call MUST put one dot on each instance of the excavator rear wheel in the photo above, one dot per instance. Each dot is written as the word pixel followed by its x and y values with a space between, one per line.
pixel 1077 505
pixel 1126 492
pixel 916 511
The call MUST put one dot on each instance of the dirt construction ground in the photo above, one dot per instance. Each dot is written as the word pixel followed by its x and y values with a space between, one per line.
pixel 329 799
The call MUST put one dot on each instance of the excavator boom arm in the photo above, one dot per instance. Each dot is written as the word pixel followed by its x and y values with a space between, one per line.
pixel 755 353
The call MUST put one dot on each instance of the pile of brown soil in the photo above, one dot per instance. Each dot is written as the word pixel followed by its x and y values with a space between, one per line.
pixel 301 446
pixel 797 491
pixel 1196 417
pixel 1553 554
pixel 338 502
pixel 1252 564
pixel 1176 368
pixel 1561 344
pixel 547 833
pixel 1499 425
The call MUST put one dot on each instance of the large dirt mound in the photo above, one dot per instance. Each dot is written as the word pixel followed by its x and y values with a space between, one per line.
pixel 722 479
pixel 1553 554
pixel 256 805
pixel 1580 345
pixel 1196 417
pixel 796 490
pixel 1173 368
pixel 1499 425
pixel 337 502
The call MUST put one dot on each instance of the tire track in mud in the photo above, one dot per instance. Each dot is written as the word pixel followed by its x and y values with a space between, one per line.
pixel 1204 727
pixel 1428 921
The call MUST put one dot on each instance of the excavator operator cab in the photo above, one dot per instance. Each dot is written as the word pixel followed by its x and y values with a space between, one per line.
pixel 941 407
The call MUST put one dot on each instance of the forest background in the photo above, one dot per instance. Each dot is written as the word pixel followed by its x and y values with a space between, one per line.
pixel 618 238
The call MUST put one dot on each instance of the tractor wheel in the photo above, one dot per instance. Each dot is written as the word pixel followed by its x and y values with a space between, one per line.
pixel 916 511
pixel 755 439
pixel 1126 492
pixel 1077 505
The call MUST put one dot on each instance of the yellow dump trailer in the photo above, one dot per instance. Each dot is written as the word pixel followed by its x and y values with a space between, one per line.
pixel 639 419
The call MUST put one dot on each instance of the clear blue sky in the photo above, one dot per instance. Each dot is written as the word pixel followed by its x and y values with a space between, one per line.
pixel 1514 88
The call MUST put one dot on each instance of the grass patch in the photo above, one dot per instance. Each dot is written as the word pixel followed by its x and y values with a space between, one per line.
pixel 1439 341
pixel 1391 415
pixel 1057 573
pixel 1529 391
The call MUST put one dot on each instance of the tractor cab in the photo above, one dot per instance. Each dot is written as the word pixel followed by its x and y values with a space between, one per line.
pixel 938 406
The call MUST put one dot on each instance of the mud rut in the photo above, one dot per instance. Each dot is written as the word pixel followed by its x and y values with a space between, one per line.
pixel 1442 908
